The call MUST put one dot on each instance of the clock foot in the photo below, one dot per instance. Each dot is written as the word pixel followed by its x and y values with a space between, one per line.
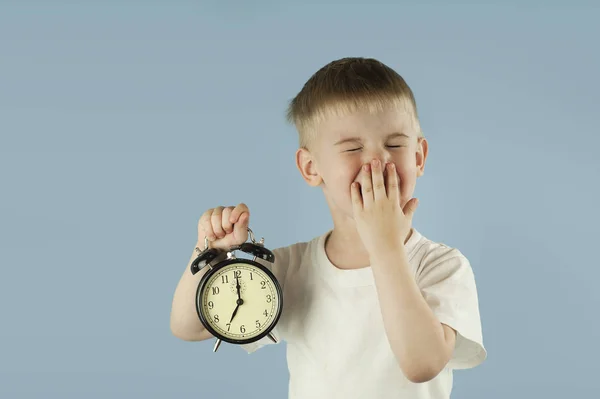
pixel 217 345
pixel 272 337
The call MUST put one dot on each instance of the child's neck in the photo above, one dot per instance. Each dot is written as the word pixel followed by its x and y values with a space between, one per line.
pixel 345 249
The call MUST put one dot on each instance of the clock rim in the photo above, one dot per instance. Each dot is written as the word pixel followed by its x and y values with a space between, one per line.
pixel 216 268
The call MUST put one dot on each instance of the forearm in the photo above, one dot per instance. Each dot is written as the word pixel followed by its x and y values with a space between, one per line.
pixel 185 323
pixel 415 334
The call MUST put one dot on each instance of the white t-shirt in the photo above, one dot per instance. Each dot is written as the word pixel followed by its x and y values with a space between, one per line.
pixel 332 324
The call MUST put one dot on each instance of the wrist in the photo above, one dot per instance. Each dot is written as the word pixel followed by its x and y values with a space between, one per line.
pixel 389 256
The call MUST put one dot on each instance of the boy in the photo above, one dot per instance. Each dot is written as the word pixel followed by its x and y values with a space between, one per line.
pixel 372 308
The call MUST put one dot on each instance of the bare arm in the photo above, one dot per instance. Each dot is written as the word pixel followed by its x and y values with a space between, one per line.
pixel 185 323
pixel 422 345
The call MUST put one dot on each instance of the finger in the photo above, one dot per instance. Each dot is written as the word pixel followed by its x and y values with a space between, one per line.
pixel 216 222
pixel 237 212
pixel 240 228
pixel 366 186
pixel 205 226
pixel 378 182
pixel 357 203
pixel 225 222
pixel 393 183
pixel 410 208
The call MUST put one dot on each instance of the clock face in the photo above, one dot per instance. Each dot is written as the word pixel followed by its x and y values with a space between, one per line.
pixel 240 302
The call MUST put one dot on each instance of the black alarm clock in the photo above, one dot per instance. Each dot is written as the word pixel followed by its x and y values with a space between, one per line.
pixel 238 300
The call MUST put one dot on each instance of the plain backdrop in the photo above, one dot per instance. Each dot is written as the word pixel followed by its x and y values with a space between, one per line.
pixel 121 122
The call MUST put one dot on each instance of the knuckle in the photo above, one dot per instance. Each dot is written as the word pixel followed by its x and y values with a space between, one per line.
pixel 239 208
pixel 208 231
pixel 216 222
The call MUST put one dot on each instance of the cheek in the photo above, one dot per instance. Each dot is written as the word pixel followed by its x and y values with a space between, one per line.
pixel 407 183
pixel 342 172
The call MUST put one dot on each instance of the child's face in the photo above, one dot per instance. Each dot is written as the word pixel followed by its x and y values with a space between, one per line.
pixel 343 144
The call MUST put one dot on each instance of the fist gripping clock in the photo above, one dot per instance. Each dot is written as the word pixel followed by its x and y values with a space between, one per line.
pixel 238 300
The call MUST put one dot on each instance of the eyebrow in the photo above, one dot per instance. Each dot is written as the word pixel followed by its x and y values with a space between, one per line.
pixel 391 136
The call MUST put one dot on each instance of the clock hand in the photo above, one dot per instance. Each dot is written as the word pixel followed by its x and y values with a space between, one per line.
pixel 237 287
pixel 239 301
pixel 234 312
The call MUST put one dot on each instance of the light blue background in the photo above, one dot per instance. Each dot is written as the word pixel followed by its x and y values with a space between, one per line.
pixel 121 122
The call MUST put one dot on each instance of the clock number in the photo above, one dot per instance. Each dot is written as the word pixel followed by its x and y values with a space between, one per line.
pixel 228 326
pixel 211 304
pixel 263 285
pixel 242 329
pixel 266 313
pixel 257 324
pixel 224 279
pixel 237 273
pixel 215 290
pixel 268 298
pixel 216 318
pixel 251 278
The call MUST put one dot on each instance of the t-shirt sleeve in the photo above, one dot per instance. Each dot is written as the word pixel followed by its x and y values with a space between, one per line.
pixel 447 283
pixel 279 268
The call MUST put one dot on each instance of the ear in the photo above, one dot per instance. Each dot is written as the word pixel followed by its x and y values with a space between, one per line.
pixel 305 163
pixel 421 155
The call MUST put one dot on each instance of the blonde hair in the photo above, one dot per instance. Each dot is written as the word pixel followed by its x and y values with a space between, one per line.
pixel 347 85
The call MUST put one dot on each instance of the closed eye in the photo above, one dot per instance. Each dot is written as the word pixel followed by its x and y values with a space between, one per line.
pixel 357 149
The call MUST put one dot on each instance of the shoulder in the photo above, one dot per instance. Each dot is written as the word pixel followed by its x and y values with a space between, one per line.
pixel 290 257
pixel 437 260
pixel 291 252
pixel 427 251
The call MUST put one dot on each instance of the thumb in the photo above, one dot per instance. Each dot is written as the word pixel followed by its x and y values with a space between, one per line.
pixel 240 228
pixel 410 207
